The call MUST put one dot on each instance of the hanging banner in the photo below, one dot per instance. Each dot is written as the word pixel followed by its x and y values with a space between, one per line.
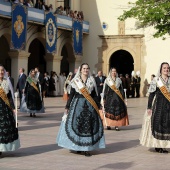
pixel 19 26
pixel 51 32
pixel 78 37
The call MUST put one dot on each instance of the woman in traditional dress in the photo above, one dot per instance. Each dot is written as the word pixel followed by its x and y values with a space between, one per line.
pixel 32 99
pixel 56 78
pixel 82 130
pixel 114 108
pixel 67 86
pixel 52 84
pixel 45 85
pixel 62 79
pixel 156 125
pixel 9 138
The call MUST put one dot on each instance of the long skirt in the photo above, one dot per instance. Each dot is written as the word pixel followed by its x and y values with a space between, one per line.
pixel 146 137
pixel 25 109
pixel 9 137
pixel 83 129
pixel 109 122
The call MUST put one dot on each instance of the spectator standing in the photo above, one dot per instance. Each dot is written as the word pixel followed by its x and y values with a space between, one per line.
pixel 128 83
pixel 100 82
pixel 10 78
pixel 123 81
pixel 21 83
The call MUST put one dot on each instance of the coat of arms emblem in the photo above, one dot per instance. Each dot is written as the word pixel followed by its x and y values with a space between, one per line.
pixel 50 32
pixel 19 26
pixel 77 36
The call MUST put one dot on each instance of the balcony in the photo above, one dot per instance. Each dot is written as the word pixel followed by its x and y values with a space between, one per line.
pixel 37 16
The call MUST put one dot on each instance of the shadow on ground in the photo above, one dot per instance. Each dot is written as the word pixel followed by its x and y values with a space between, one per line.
pixel 33 150
pixel 119 165
pixel 117 147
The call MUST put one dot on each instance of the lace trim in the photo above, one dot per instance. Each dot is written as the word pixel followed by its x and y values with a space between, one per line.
pixel 90 85
pixel 5 86
pixel 117 82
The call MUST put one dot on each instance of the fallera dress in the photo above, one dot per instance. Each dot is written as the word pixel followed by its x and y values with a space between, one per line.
pixel 115 109
pixel 32 100
pixel 83 129
pixel 9 137
pixel 156 128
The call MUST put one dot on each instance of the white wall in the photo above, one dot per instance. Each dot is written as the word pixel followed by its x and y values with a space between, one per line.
pixel 98 11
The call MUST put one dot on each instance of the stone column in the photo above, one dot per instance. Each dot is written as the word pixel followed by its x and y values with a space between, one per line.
pixel 78 60
pixel 53 62
pixel 19 59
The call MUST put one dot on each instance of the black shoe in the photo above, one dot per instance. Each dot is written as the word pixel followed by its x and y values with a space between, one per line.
pixel 34 115
pixel 164 151
pixel 30 114
pixel 157 149
pixel 108 128
pixel 87 154
pixel 79 152
pixel 160 150
pixel 116 128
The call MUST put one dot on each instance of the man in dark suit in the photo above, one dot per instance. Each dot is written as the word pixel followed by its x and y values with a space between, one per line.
pixel 100 82
pixel 128 85
pixel 123 81
pixel 39 76
pixel 21 83
pixel 11 79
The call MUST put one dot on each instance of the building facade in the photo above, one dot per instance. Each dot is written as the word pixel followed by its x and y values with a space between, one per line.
pixel 107 42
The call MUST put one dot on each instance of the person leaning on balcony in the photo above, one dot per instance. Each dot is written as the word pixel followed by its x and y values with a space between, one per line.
pixel 51 8
pixel 28 3
pixel 38 4
pixel 75 14
pixel 82 16
pixel 45 7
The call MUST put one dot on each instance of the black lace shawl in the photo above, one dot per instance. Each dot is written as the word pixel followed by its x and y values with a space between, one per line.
pixel 160 120
pixel 115 107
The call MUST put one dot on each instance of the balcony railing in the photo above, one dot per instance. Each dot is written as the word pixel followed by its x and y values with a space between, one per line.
pixel 38 16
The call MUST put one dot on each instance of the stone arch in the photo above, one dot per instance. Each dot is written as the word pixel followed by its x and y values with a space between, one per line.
pixel 38 36
pixel 7 34
pixel 37 55
pixel 113 50
pixel 5 59
pixel 68 58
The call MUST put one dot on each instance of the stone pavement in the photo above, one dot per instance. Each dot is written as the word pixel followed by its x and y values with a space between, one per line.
pixel 39 150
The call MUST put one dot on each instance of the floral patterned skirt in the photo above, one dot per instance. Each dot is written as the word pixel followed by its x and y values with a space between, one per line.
pixel 83 129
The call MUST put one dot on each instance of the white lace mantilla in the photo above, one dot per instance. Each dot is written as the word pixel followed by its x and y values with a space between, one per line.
pixel 90 84
pixel 5 86
pixel 117 82
pixel 154 84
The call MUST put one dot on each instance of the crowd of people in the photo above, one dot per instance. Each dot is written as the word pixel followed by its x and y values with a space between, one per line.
pixel 59 10
pixel 92 104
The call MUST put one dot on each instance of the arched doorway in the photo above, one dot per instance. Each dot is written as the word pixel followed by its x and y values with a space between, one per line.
pixel 36 58
pixel 4 57
pixel 68 60
pixel 123 61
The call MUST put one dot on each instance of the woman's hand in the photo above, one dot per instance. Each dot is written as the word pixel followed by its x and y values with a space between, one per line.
pixel 14 111
pixel 66 111
pixel 149 112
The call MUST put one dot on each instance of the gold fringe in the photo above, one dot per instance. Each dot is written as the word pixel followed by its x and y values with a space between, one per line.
pixel 90 99
pixel 4 97
pixel 113 87
pixel 165 92
pixel 35 87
